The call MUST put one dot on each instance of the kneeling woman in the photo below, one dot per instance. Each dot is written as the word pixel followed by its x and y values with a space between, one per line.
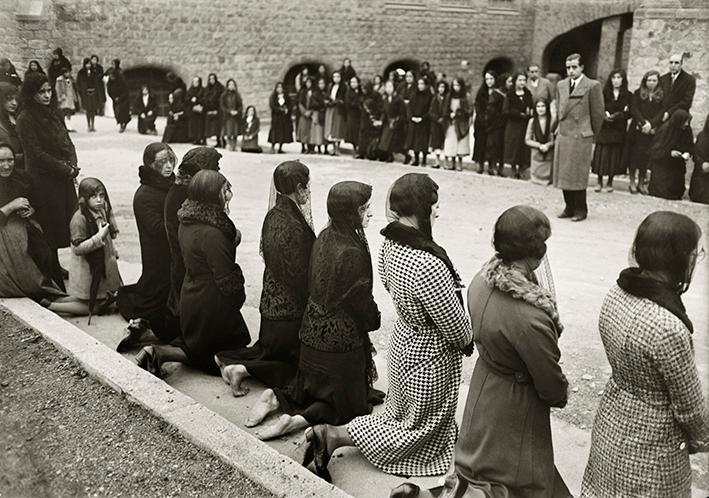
pixel 415 433
pixel 213 289
pixel 335 371
pixel 286 243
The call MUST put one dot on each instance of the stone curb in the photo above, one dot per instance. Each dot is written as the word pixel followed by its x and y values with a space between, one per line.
pixel 254 459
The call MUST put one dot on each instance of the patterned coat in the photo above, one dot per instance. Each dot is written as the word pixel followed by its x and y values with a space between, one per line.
pixel 580 119
pixel 415 433
pixel 652 406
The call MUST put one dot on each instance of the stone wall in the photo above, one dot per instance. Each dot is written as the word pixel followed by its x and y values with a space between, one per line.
pixel 660 31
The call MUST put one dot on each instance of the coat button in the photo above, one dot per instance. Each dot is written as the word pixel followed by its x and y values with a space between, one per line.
pixel 682 446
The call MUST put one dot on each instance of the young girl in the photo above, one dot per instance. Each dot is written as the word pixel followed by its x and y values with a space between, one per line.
pixel 436 114
pixel 457 114
pixel 249 142
pixel 517 109
pixel 232 106
pixel 540 139
pixel 93 273
pixel 66 96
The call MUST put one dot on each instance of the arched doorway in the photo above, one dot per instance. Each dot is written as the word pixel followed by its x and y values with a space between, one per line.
pixel 584 40
pixel 500 65
pixel 290 85
pixel 401 65
pixel 155 78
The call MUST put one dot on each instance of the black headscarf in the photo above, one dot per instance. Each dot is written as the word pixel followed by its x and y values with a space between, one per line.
pixel 669 134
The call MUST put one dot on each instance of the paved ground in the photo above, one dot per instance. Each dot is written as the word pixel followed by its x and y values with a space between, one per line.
pixel 64 434
pixel 585 257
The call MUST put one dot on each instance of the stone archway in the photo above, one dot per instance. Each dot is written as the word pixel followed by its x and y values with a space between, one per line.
pixel 293 72
pixel 155 78
pixel 500 65
pixel 408 64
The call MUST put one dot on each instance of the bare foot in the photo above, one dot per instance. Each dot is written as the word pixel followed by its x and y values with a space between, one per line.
pixel 284 425
pixel 266 404
pixel 222 367
pixel 234 375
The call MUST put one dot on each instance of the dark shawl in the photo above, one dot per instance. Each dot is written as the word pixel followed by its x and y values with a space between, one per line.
pixel 669 135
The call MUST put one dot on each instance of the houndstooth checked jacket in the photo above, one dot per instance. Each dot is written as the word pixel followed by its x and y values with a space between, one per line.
pixel 415 433
pixel 652 406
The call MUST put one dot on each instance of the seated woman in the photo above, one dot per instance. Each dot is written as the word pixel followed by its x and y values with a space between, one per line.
pixel 335 369
pixel 539 137
pixel 653 414
pixel 286 242
pixel 8 121
pixel 699 184
pixel 251 127
pixel 26 260
pixel 146 107
pixel 147 299
pixel 505 445
pixel 213 290
pixel 416 431
pixel 669 153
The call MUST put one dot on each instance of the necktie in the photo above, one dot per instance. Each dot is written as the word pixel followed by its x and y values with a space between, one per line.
pixel 572 85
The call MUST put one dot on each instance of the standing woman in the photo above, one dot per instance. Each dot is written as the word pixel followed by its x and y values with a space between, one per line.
pixel 90 85
pixel 147 298
pixel 653 414
pixel 406 90
pixel 336 369
pixel 394 110
pixel 646 111
pixel 479 124
pixel 669 153
pixel 281 131
pixel 699 184
pixel 146 107
pixel 212 117
pixel 608 152
pixel 437 118
pixel 317 107
pixel 353 105
pixel 335 112
pixel 231 105
pixel 415 433
pixel 286 243
pixel 419 125
pixel 50 159
pixel 456 144
pixel 118 91
pixel 494 125
pixel 194 110
pixel 34 67
pixel 9 103
pixel 213 291
pixel 176 127
pixel 305 119
pixel 517 109
pixel 370 126
pixel 540 139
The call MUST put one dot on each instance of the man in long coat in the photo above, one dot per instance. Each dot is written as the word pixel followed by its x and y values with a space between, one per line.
pixel 581 111
pixel 678 87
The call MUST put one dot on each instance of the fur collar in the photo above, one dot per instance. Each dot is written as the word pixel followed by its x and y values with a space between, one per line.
pixel 512 281
pixel 193 212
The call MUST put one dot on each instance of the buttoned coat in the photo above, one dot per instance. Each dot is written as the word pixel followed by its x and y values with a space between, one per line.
pixel 681 94
pixel 579 121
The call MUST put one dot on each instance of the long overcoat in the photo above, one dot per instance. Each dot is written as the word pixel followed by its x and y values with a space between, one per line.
pixel 579 121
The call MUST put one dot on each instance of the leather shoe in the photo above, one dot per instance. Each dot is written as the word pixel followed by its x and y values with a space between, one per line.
pixel 564 214
pixel 579 217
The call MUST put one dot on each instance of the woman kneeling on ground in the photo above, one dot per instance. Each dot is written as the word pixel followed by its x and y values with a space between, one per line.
pixel 335 370
pixel 286 243
pixel 213 289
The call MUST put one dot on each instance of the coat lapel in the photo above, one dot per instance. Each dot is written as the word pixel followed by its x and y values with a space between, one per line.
pixel 576 96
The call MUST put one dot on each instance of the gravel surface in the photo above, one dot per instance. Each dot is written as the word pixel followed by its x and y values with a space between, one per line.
pixel 62 434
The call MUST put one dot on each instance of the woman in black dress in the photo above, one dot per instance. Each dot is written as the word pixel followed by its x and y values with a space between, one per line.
pixel 212 106
pixel 393 130
pixel 90 85
pixel 493 125
pixel 419 123
pixel 147 299
pixel 34 67
pixel 517 109
pixel 281 131
pixel 335 369
pixel 286 242
pixel 670 151
pixel 370 124
pixel 437 118
pixel 194 110
pixel 608 152
pixel 146 107
pixel 406 91
pixel 353 104
pixel 118 91
pixel 213 289
pixel 176 127
pixel 646 111
pixel 231 106
pixel 51 162
pixel 9 103
pixel 699 184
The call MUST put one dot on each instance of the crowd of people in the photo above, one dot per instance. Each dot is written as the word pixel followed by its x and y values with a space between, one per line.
pixel 317 307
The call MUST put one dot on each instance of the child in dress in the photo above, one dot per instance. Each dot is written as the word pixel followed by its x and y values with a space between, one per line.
pixel 93 272
pixel 249 142
pixel 67 96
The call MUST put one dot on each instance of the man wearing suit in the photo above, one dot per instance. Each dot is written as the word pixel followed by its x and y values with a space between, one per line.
pixel 581 111
pixel 678 87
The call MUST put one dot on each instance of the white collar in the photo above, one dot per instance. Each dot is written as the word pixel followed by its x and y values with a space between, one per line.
pixel 577 80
